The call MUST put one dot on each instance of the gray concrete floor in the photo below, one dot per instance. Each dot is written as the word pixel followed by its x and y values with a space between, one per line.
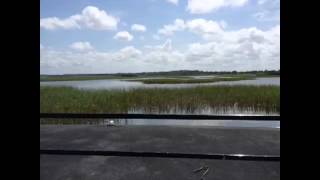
pixel 158 139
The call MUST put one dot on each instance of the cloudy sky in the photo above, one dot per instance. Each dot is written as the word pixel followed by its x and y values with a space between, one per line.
pixel 110 36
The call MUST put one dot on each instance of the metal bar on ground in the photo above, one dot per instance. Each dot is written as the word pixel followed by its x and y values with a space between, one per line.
pixel 158 116
pixel 242 157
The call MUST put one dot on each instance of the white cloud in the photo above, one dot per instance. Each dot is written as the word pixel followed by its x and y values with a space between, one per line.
pixel 163 57
pixel 168 30
pixel 198 26
pixel 130 51
pixel 207 6
pixel 125 54
pixel 81 46
pixel 138 27
pixel 53 23
pixel 123 36
pixel 244 49
pixel 94 18
pixel 223 24
pixel 91 17
pixel 41 46
pixel 175 2
pixel 202 26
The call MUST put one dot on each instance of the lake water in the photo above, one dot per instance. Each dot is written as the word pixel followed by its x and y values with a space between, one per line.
pixel 122 84
pixel 219 123
pixel 151 122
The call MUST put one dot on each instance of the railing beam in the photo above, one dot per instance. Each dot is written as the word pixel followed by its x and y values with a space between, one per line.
pixel 157 116
pixel 242 157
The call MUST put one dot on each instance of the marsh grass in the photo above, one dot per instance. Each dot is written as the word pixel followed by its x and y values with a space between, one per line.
pixel 194 100
pixel 190 80
pixel 164 79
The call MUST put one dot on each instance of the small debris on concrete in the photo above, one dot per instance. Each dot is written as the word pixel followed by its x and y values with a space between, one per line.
pixel 202 168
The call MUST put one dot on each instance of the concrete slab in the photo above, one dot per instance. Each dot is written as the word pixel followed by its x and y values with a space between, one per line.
pixel 159 139
pixel 132 168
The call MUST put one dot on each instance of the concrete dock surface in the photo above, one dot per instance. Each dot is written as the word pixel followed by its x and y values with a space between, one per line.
pixel 262 141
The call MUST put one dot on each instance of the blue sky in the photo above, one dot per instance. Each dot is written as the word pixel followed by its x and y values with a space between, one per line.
pixel 96 36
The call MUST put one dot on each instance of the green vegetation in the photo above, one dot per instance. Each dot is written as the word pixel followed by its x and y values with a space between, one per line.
pixel 156 100
pixel 190 80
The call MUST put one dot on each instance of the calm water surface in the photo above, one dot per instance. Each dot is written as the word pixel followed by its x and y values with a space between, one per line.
pixel 144 122
pixel 127 85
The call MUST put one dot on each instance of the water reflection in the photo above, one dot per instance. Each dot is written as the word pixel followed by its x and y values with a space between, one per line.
pixel 151 122
pixel 127 85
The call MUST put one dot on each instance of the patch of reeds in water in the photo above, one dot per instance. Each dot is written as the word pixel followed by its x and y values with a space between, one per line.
pixel 191 80
pixel 195 100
